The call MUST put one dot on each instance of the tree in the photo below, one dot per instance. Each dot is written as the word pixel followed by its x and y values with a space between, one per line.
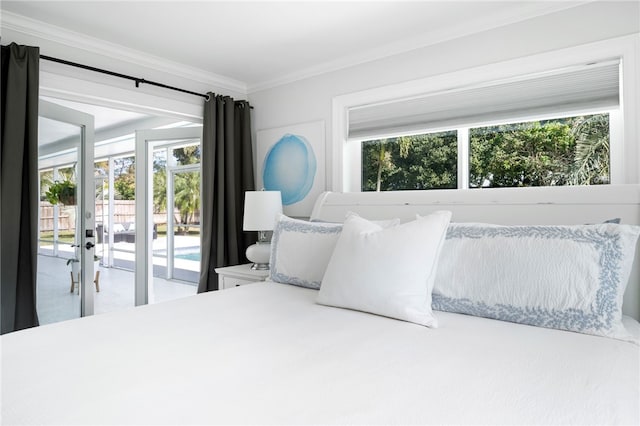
pixel 187 155
pixel 186 188
pixel 522 154
pixel 159 182
pixel 125 187
pixel 591 162
pixel 125 180
pixel 568 151
pixel 426 161
pixel 187 197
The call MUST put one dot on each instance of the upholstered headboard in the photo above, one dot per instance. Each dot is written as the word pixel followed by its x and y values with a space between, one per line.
pixel 507 206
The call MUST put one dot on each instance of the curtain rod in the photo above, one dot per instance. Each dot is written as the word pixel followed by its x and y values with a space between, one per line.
pixel 137 80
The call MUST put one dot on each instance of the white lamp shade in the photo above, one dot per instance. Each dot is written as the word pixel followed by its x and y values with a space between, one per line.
pixel 261 209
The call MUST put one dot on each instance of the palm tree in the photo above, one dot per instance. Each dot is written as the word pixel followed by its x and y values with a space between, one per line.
pixel 383 160
pixel 591 160
pixel 187 197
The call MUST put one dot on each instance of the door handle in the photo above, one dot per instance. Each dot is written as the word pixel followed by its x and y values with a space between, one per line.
pixel 89 245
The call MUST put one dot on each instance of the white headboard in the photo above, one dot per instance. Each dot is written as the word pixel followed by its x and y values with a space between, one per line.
pixel 507 206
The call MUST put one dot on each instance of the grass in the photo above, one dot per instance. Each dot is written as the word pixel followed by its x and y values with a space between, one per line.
pixel 63 236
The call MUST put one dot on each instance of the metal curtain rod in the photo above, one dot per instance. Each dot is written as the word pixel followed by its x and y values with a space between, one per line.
pixel 137 80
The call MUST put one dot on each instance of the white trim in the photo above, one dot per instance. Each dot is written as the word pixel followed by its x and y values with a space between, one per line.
pixel 24 25
pixel 463 157
pixel 145 143
pixel 78 90
pixel 85 219
pixel 625 48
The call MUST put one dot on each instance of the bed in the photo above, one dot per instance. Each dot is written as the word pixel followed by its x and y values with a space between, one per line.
pixel 268 353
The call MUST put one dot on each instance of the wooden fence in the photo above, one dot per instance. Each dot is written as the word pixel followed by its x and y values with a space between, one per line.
pixel 124 211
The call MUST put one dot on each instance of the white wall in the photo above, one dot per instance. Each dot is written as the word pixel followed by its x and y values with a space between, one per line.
pixel 311 99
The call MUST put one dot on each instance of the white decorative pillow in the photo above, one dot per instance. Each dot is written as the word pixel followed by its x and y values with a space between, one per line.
pixel 565 277
pixel 388 272
pixel 300 250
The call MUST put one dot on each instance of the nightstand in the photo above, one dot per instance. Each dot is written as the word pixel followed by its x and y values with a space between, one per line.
pixel 234 276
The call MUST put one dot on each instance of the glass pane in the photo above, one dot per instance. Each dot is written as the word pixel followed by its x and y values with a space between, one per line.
pixel 124 214
pixel 186 211
pixel 58 276
pixel 566 151
pixel 427 161
pixel 176 232
pixel 187 154
pixel 160 212
pixel 46 238
pixel 115 260
pixel 101 173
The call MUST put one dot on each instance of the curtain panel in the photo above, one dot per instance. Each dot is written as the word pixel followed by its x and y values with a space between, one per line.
pixel 18 186
pixel 227 172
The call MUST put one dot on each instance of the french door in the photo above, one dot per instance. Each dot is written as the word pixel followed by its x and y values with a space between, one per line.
pixel 167 162
pixel 65 278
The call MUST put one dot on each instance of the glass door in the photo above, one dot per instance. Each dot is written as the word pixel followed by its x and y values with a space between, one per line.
pixel 183 223
pixel 65 280
pixel 167 213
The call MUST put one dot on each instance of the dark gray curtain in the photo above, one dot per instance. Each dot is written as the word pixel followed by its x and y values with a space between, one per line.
pixel 18 186
pixel 227 172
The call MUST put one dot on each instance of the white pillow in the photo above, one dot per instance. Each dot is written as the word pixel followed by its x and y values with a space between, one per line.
pixel 388 272
pixel 300 250
pixel 565 277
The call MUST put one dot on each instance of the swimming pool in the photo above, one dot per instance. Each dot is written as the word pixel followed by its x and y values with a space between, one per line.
pixel 188 256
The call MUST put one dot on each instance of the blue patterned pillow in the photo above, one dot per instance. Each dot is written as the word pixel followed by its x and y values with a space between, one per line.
pixel 565 277
pixel 300 251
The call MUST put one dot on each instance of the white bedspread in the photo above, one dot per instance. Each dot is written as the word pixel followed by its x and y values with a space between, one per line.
pixel 266 353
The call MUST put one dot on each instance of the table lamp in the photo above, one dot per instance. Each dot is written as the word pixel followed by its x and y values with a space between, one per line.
pixel 260 211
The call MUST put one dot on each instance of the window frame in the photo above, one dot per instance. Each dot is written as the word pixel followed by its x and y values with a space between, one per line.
pixel 463 141
pixel 345 153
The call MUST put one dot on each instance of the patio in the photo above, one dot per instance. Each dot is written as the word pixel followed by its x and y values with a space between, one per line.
pixel 56 303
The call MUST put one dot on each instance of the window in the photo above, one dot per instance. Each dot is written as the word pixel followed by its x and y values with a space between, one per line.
pixel 566 151
pixel 551 152
pixel 427 161
pixel 486 135
pixel 586 94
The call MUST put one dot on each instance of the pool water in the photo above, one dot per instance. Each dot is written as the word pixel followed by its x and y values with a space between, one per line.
pixel 188 256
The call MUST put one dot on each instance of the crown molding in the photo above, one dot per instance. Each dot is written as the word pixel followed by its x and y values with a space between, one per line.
pixel 41 30
pixel 462 29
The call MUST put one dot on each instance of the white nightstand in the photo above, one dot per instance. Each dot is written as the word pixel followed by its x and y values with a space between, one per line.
pixel 234 276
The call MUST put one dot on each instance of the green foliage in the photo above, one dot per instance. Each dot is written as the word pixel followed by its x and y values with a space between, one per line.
pixel 410 162
pixel 160 190
pixel 124 178
pixel 523 154
pixel 570 151
pixel 187 196
pixel 187 155
pixel 125 186
pixel 63 192
pixel 591 162
pixel 186 186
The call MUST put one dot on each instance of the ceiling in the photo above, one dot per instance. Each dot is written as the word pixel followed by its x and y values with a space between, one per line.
pixel 259 43
pixel 51 131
